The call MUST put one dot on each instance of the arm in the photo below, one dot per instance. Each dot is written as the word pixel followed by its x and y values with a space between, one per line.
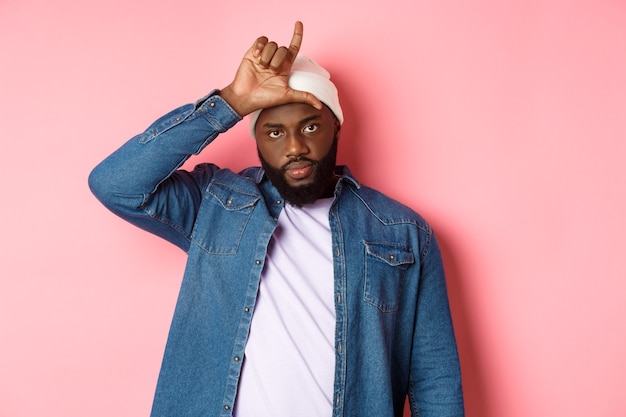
pixel 435 382
pixel 141 181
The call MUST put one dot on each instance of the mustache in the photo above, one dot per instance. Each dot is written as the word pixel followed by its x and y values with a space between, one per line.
pixel 298 159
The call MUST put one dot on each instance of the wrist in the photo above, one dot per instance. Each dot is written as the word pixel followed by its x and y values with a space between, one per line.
pixel 235 101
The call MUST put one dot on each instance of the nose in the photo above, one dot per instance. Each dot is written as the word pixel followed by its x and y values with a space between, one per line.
pixel 296 145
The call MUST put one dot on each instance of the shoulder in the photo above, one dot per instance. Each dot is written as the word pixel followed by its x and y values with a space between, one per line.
pixel 385 209
pixel 208 175
pixel 388 210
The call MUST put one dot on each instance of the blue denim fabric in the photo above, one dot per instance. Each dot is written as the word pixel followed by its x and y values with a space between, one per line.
pixel 394 332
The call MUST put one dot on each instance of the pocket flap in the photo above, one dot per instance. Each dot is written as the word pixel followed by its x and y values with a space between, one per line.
pixel 232 198
pixel 392 253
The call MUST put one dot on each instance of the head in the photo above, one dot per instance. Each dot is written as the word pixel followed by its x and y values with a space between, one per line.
pixel 297 146
pixel 297 143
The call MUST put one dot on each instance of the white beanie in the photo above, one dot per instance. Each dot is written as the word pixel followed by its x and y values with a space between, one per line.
pixel 307 75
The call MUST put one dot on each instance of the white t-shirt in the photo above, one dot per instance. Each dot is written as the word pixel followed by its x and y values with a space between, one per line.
pixel 289 363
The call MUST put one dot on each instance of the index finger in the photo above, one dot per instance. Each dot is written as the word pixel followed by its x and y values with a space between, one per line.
pixel 296 40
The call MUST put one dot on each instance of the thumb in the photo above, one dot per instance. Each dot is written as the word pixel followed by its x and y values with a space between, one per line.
pixel 304 97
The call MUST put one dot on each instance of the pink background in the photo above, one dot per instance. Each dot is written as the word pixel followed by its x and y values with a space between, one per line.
pixel 502 122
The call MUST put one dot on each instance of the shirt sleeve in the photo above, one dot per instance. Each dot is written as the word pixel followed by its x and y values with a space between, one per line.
pixel 435 388
pixel 141 181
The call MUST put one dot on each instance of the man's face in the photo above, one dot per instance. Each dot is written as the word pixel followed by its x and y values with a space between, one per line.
pixel 297 146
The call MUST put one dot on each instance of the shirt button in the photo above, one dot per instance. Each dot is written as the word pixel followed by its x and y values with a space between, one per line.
pixel 236 358
pixel 226 407
pixel 246 309
pixel 391 257
pixel 257 262
pixel 212 104
pixel 278 202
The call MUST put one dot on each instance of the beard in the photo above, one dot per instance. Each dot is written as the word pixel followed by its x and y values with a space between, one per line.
pixel 309 193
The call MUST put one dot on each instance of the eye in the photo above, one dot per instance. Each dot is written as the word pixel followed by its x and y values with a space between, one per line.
pixel 310 128
pixel 274 134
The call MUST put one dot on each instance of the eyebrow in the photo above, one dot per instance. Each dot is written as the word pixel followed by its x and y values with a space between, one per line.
pixel 303 121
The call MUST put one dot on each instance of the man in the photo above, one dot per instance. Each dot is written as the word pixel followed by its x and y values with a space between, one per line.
pixel 305 293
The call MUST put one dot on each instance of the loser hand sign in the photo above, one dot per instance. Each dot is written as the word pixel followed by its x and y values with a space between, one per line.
pixel 262 78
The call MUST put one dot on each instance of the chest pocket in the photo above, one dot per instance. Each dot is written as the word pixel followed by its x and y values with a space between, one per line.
pixel 385 268
pixel 222 219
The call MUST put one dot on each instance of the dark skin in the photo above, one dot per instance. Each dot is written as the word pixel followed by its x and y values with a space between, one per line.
pixel 294 124
pixel 290 135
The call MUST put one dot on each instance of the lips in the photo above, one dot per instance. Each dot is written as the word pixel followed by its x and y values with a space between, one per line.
pixel 298 170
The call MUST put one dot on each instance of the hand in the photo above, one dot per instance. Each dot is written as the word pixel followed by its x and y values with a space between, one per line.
pixel 261 80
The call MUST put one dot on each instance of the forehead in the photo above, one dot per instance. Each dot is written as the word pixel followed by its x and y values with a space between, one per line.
pixel 293 113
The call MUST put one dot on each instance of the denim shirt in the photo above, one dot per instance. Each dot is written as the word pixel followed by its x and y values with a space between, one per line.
pixel 394 333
